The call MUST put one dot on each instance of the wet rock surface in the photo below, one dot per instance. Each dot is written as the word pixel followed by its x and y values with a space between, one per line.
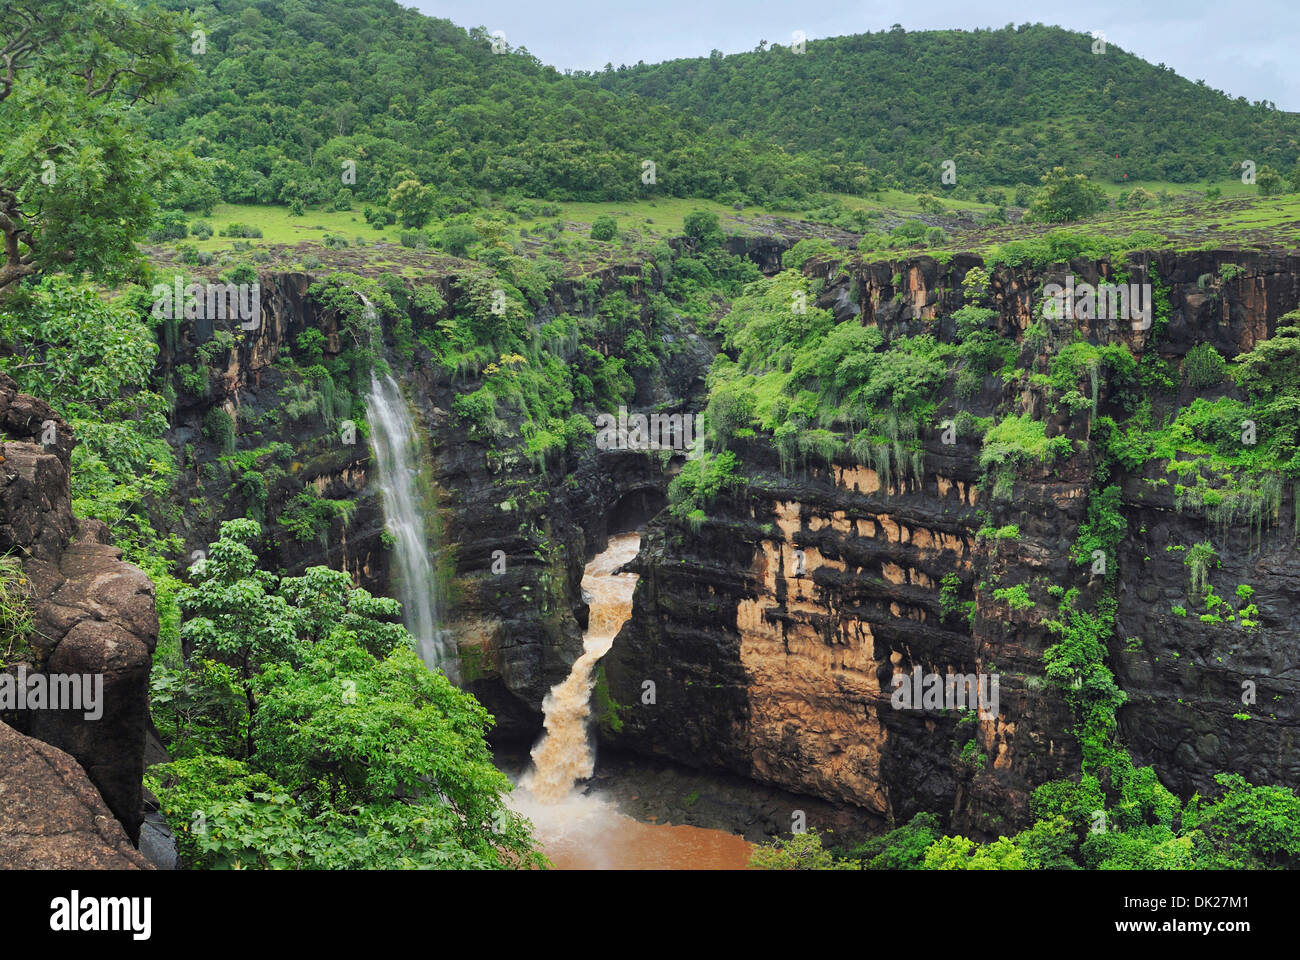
pixel 773 632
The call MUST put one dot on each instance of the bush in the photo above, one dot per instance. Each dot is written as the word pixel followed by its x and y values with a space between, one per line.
pixel 604 228
pixel 701 481
pixel 1063 197
pixel 1015 440
pixel 200 230
pixel 378 217
pixel 457 238
pixel 1203 367
pixel 169 225
pixel 1017 597
pixel 219 428
pixel 702 226
pixel 805 250
pixel 801 851
pixel 242 230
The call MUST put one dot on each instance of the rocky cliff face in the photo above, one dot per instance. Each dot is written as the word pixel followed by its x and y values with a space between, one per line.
pixel 771 635
pixel 93 612
pixel 518 628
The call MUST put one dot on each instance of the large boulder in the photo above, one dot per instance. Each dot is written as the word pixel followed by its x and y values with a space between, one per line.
pixel 51 817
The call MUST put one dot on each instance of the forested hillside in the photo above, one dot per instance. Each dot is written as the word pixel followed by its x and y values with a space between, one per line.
pixel 288 92
pixel 1005 105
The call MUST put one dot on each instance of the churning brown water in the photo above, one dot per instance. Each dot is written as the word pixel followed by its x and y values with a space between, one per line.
pixel 582 831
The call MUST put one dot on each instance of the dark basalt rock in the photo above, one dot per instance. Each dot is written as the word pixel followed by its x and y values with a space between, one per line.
pixel 51 817
pixel 93 612
pixel 786 678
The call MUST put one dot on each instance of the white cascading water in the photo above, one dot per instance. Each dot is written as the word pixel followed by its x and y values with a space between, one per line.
pixel 395 449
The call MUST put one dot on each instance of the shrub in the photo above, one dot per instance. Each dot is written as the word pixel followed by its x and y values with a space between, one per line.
pixel 702 226
pixel 457 238
pixel 701 481
pixel 1198 562
pixel 1203 367
pixel 242 230
pixel 169 225
pixel 15 611
pixel 1063 197
pixel 1017 597
pixel 604 227
pixel 219 428
pixel 1019 439
pixel 802 851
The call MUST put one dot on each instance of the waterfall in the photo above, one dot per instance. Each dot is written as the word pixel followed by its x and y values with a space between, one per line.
pixel 395 448
pixel 583 829
pixel 564 754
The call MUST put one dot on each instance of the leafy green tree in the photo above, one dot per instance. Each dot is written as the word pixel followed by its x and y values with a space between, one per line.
pixel 801 851
pixel 75 169
pixel 388 763
pixel 902 848
pixel 413 203
pixel 929 203
pixel 1064 197
pixel 1269 181
pixel 959 853
pixel 93 358
pixel 457 238
pixel 604 228
pixel 703 226
pixel 1249 827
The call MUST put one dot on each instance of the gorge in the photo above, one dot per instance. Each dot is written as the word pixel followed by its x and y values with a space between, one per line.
pixel 416 456
pixel 777 669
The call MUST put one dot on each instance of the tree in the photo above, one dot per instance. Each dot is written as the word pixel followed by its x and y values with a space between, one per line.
pixel 1063 197
pixel 604 227
pixel 959 853
pixel 413 203
pixel 929 203
pixel 1269 181
pixel 1293 177
pixel 801 851
pixel 457 238
pixel 1135 199
pixel 702 226
pixel 75 167
pixel 387 762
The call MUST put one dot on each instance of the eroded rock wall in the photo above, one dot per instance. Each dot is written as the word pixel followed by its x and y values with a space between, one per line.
pixel 784 674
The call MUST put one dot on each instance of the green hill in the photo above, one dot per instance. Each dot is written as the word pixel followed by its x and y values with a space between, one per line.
pixel 1005 105
pixel 288 95
pixel 288 92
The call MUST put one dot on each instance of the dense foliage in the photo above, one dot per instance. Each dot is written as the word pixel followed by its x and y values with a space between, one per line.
pixel 426 114
pixel 1005 105
pixel 77 169
pixel 308 734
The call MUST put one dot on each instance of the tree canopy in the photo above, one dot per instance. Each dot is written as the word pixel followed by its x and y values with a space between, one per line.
pixel 76 167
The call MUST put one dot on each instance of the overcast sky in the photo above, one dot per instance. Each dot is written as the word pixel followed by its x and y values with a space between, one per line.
pixel 1246 49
